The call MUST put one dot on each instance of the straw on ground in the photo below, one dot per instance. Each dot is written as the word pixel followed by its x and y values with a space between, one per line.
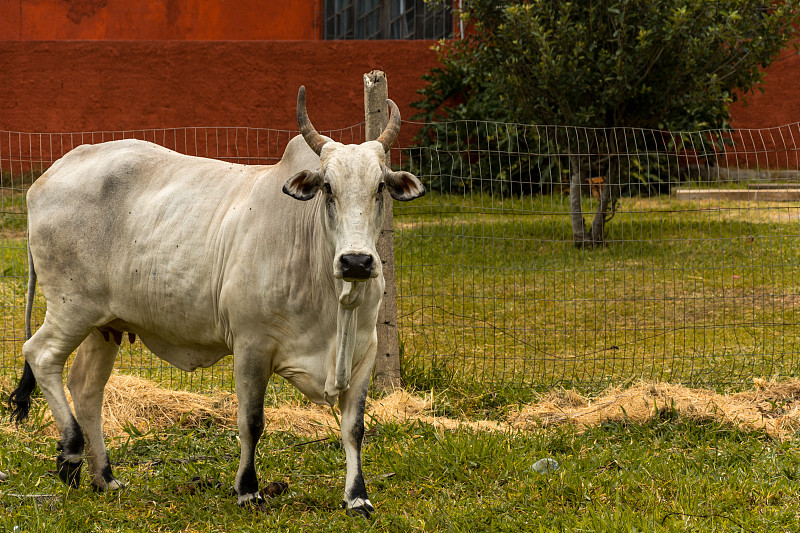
pixel 771 406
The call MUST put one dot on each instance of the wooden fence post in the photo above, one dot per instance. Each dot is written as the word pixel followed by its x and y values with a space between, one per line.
pixel 387 374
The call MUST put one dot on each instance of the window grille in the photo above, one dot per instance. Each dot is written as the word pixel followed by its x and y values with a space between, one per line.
pixel 386 19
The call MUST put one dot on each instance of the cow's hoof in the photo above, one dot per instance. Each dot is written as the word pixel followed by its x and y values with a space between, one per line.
pixel 359 507
pixel 109 486
pixel 69 471
pixel 252 500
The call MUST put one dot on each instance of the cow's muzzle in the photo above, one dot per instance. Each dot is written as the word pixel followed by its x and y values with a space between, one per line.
pixel 357 267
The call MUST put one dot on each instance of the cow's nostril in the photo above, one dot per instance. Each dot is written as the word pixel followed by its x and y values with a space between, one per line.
pixel 356 266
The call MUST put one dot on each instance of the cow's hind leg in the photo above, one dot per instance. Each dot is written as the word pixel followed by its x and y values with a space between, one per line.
pixel 47 352
pixel 251 375
pixel 352 403
pixel 87 380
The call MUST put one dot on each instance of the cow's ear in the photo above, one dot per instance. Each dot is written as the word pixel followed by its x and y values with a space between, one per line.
pixel 303 185
pixel 403 186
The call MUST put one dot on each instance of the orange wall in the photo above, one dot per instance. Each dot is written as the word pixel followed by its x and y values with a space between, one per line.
pixel 89 85
pixel 32 20
pixel 779 104
pixel 68 65
pixel 68 86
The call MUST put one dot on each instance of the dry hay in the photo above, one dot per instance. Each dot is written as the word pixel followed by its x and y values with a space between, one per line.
pixel 771 406
pixel 402 406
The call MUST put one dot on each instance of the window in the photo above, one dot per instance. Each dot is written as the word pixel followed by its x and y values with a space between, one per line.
pixel 386 19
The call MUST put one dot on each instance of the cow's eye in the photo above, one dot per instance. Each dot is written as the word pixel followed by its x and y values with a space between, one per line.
pixel 381 186
pixel 328 188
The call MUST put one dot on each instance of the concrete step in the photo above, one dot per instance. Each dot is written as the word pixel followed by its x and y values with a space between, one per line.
pixel 763 195
pixel 773 186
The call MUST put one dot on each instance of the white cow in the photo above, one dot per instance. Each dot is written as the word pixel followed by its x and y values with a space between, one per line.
pixel 200 259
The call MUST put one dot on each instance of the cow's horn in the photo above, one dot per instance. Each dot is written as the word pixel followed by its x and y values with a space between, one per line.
pixel 392 130
pixel 312 136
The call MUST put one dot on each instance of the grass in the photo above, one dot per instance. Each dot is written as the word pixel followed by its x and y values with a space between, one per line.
pixel 492 289
pixel 667 475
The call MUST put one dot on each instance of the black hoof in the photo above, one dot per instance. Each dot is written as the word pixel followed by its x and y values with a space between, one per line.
pixel 69 472
pixel 110 486
pixel 365 509
pixel 251 501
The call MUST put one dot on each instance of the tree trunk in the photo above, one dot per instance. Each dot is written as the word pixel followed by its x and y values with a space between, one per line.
pixel 577 172
pixel 599 221
pixel 607 194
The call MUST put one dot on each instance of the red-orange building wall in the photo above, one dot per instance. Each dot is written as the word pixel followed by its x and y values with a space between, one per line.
pixel 87 65
pixel 70 65
pixel 779 103
pixel 67 86
pixel 205 20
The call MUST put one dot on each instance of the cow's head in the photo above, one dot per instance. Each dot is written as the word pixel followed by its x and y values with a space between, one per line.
pixel 352 178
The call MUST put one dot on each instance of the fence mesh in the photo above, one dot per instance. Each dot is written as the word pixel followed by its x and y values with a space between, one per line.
pixel 540 255
pixel 503 275
pixel 25 156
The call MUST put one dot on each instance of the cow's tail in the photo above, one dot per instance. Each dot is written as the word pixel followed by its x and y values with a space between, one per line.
pixel 20 400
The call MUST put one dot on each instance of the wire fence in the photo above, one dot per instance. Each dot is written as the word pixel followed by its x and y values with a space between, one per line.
pixel 25 156
pixel 541 255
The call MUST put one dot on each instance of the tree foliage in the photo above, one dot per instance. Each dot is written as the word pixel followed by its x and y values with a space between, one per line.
pixel 672 64
pixel 663 65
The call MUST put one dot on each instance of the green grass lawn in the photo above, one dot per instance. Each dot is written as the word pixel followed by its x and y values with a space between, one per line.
pixel 492 289
pixel 494 302
pixel 667 475
pixel 702 293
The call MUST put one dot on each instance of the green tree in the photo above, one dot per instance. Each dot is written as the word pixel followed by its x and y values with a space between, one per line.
pixel 663 64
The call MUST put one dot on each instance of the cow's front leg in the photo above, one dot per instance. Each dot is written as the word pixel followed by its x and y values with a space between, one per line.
pixel 352 403
pixel 251 375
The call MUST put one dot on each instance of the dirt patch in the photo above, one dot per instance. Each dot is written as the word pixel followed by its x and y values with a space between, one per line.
pixel 771 406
